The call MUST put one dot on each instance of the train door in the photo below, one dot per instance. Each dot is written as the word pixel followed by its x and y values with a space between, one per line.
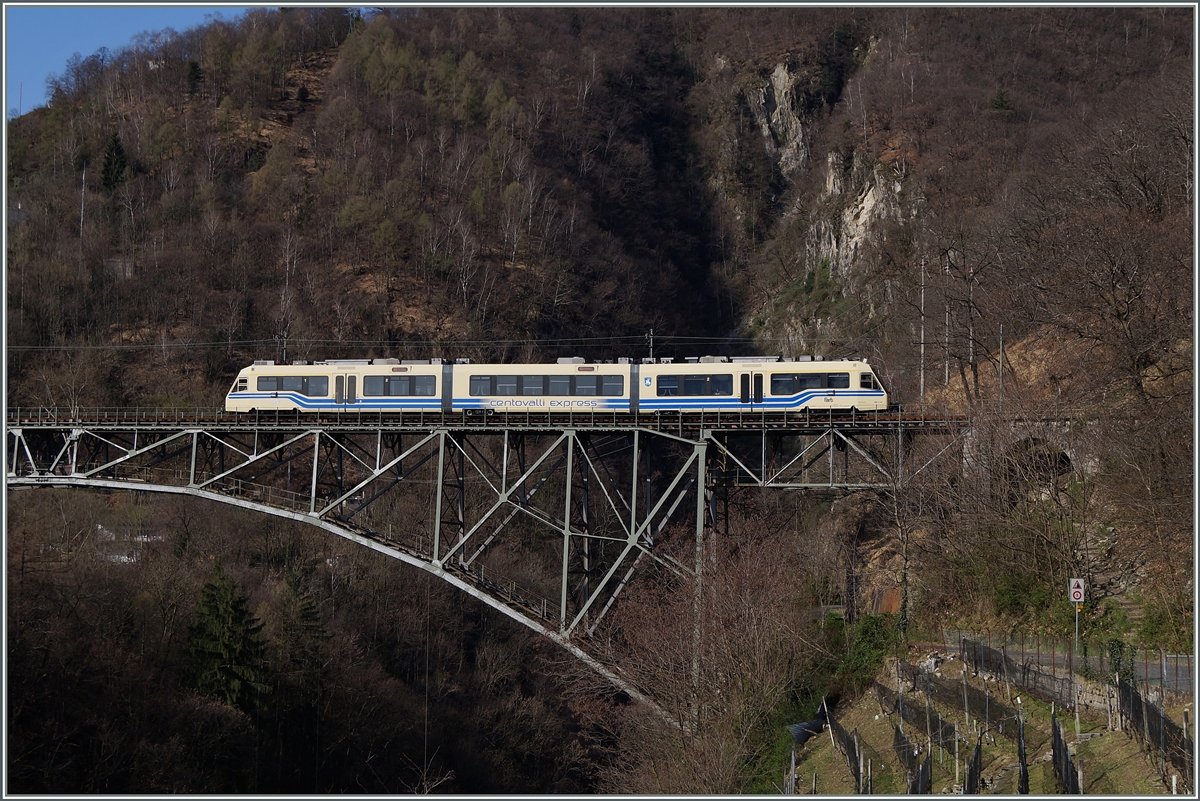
pixel 345 389
pixel 751 387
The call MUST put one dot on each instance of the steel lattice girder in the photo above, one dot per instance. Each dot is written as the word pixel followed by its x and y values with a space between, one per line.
pixel 547 525
pixel 483 483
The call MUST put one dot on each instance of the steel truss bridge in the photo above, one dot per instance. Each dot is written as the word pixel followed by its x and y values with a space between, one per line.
pixel 593 497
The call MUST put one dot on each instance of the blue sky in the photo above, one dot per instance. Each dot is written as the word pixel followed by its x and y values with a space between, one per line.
pixel 39 39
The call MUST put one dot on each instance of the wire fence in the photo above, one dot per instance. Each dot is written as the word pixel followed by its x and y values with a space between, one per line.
pixel 923 782
pixel 1151 669
pixel 906 752
pixel 920 714
pixel 979 705
pixel 974 769
pixel 860 757
pixel 998 665
pixel 1022 759
pixel 1064 765
pixel 918 774
pixel 848 745
pixel 1160 737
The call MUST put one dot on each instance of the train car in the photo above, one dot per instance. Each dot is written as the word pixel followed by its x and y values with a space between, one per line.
pixel 723 384
pixel 571 385
pixel 709 384
pixel 338 385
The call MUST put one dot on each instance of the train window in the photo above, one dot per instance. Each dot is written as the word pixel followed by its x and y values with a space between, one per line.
pixel 612 385
pixel 865 381
pixel 242 383
pixel 565 385
pixel 385 385
pixel 668 385
pixel 782 384
pixel 694 385
pixel 397 385
pixel 317 385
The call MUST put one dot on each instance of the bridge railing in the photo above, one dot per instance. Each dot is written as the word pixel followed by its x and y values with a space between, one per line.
pixel 667 421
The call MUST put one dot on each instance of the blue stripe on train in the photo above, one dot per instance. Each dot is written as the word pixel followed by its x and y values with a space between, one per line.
pixel 549 404
pixel 733 402
pixel 305 402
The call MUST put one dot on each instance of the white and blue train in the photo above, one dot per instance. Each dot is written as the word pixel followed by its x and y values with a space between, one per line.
pixel 703 384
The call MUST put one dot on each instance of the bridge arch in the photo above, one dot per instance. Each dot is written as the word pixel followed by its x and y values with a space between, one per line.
pixel 459 580
pixel 605 495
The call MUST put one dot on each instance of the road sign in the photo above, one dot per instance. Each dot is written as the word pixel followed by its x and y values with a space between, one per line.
pixel 1075 591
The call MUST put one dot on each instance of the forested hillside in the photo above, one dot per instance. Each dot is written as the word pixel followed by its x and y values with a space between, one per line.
pixel 995 206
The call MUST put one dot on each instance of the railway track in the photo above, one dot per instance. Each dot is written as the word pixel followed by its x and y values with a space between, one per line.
pixel 681 423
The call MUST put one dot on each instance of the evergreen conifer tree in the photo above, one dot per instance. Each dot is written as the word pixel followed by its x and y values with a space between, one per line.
pixel 224 647
pixel 115 169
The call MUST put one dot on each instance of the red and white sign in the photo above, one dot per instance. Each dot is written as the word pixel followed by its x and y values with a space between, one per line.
pixel 1075 591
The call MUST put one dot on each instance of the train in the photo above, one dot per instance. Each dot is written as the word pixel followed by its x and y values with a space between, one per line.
pixel 573 384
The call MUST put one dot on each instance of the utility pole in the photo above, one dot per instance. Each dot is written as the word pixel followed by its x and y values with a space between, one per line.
pixel 922 335
pixel 650 338
pixel 1001 368
pixel 82 195
pixel 946 330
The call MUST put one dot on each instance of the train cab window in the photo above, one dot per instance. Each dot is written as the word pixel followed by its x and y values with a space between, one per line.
pixel 506 385
pixel 585 385
pixel 668 385
pixel 559 385
pixel 612 385
pixel 312 386
pixel 532 384
pixel 865 381
pixel 839 381
pixel 240 385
